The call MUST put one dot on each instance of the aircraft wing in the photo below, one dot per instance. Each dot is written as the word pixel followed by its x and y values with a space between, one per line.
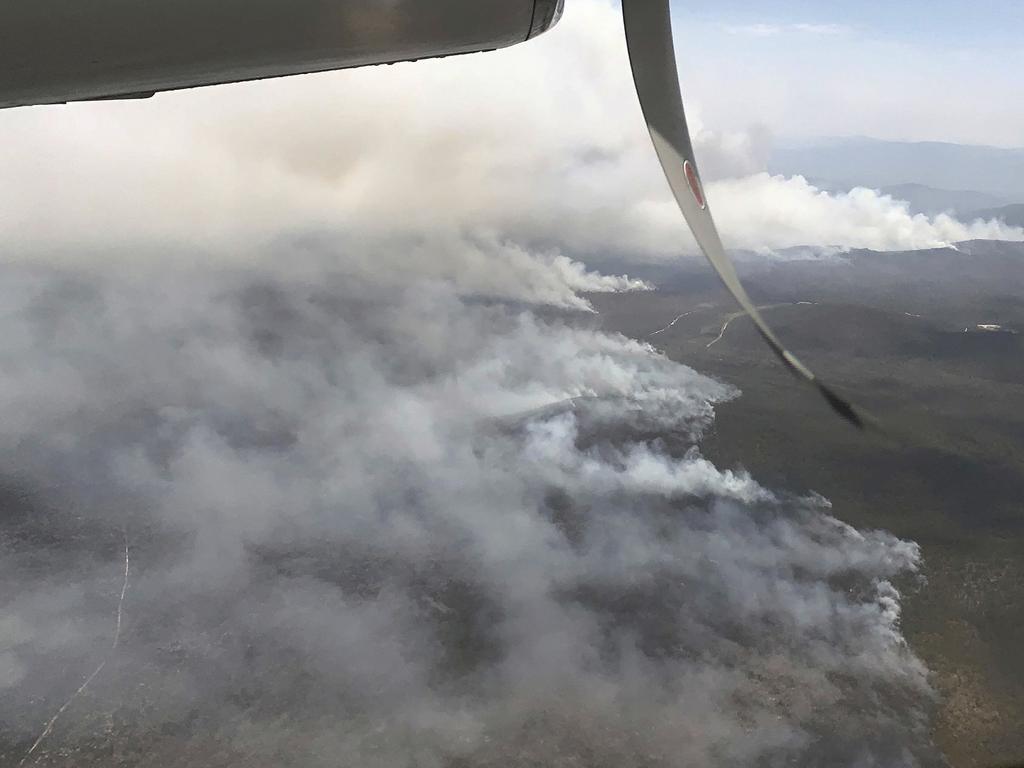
pixel 54 51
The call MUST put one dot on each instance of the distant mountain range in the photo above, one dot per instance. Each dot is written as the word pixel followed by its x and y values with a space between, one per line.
pixel 925 173
pixel 932 201
pixel 1011 214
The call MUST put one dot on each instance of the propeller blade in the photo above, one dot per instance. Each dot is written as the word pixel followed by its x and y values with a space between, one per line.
pixel 652 56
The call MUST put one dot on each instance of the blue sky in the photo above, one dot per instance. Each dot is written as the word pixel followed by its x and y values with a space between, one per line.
pixel 952 22
pixel 947 70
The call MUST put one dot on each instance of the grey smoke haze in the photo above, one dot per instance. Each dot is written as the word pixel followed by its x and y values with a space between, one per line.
pixel 339 558
pixel 282 337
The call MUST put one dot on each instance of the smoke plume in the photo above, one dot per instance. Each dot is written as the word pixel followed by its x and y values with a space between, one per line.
pixel 347 549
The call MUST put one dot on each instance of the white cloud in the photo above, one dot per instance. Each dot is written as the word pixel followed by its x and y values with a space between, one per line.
pixel 774 30
pixel 755 30
pixel 822 29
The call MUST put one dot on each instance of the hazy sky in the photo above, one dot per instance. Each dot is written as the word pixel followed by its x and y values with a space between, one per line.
pixel 910 70
pixel 957 22
pixel 558 160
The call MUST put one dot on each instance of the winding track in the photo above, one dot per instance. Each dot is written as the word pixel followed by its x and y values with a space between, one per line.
pixel 81 689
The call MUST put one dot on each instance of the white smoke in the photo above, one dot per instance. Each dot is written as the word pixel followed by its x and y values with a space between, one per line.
pixel 762 211
pixel 343 548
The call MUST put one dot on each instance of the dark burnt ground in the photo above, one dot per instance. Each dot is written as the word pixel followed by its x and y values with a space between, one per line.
pixel 888 330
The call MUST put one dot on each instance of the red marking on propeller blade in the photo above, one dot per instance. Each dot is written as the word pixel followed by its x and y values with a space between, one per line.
pixel 694 182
